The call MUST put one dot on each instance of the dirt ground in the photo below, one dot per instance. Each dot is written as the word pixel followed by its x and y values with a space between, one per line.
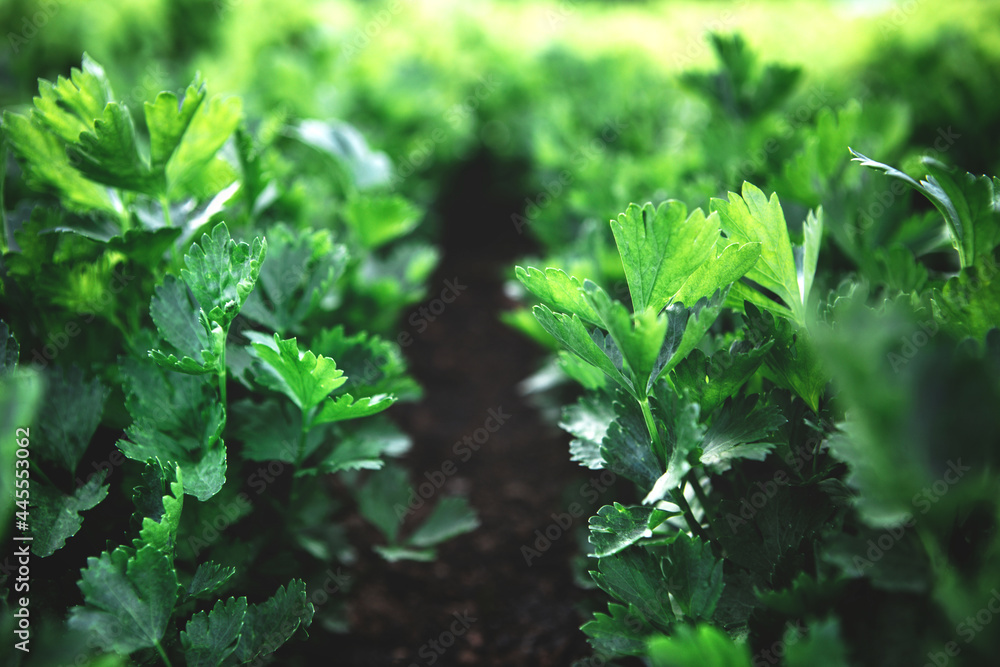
pixel 470 363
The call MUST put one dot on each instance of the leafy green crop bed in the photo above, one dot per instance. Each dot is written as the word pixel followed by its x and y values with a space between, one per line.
pixel 513 333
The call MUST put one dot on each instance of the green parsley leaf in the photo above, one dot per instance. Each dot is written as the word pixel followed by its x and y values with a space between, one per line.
pixel 452 516
pixel 383 500
pixel 696 575
pixel 159 500
pixel 739 430
pixel 301 269
pixel 345 407
pixel 703 645
pixel 176 418
pixel 563 292
pixel 616 527
pixel 713 379
pixel 969 205
pixel 184 325
pixel 624 632
pixel 570 331
pixel 109 154
pixel 755 218
pixel 73 408
pixel 672 257
pixel 588 419
pixel 211 637
pixel 301 376
pixel 221 273
pixel 129 598
pixel 55 516
pixel 633 576
pixel 270 624
pixel 208 579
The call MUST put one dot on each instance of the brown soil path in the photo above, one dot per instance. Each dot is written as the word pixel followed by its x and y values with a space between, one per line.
pixel 470 364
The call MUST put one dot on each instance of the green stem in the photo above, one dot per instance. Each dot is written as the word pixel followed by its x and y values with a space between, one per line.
pixel 681 501
pixel 654 433
pixel 165 204
pixel 692 522
pixel 3 213
pixel 223 375
pixel 302 442
pixel 692 478
pixel 163 654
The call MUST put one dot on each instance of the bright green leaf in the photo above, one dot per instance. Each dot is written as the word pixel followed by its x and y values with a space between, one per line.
pixel 378 219
pixel 562 292
pixel 616 527
pixel 661 248
pixel 704 645
pixel 570 331
pixel 301 376
pixel 109 154
pixel 221 273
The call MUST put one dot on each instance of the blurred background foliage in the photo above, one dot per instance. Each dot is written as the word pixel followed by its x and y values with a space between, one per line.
pixel 433 81
pixel 582 106
pixel 575 108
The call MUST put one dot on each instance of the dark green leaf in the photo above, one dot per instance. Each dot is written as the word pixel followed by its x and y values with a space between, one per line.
pixel 211 637
pixel 270 624
pixel 739 431
pixel 627 448
pixel 451 517
pixel 184 325
pixel 713 380
pixel 208 579
pixel 129 599
pixel 633 576
pixel 301 269
pixel 72 410
pixel 364 447
pixel 822 647
pixel 55 516
pixel 176 418
pixel 792 360
pixel 696 576
pixel 571 333
pixel 685 329
pixel 624 632
pixel 383 500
